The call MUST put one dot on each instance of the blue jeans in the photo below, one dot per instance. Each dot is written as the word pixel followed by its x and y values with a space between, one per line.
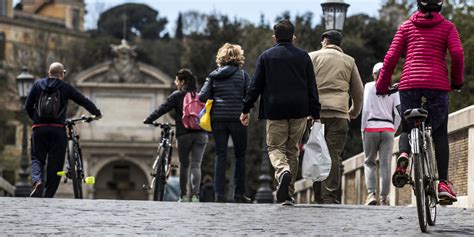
pixel 48 145
pixel 221 132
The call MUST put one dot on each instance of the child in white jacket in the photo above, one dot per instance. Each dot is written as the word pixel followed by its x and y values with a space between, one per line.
pixel 380 121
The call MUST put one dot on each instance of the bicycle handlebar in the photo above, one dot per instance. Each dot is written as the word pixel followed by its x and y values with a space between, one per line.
pixel 162 125
pixel 82 119
pixel 391 90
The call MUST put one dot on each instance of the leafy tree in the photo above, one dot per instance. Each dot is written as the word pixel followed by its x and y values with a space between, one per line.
pixel 137 20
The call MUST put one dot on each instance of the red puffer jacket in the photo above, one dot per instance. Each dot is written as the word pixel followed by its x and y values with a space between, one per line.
pixel 425 41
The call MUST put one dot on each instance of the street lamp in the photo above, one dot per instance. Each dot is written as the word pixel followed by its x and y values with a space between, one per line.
pixel 24 83
pixel 264 193
pixel 334 12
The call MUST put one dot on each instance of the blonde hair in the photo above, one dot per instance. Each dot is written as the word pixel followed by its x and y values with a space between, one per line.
pixel 230 54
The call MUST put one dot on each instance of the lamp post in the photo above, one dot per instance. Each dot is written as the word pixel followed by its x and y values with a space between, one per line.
pixel 24 83
pixel 334 13
pixel 264 193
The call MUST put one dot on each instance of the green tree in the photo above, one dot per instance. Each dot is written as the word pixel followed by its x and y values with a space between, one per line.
pixel 133 20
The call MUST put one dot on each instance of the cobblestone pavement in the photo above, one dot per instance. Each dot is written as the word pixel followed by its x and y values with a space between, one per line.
pixel 26 216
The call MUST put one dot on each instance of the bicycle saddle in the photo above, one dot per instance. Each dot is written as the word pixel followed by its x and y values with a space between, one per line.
pixel 415 114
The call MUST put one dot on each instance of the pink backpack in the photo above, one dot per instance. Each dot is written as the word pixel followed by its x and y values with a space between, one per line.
pixel 191 109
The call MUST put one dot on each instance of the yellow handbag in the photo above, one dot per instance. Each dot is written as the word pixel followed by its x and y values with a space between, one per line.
pixel 205 116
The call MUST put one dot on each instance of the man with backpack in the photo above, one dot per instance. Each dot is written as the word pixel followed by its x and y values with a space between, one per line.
pixel 47 105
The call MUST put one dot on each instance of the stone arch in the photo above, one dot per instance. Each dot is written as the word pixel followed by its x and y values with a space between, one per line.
pixel 120 178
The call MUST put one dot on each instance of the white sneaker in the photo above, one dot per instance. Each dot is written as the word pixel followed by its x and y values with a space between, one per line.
pixel 384 201
pixel 371 200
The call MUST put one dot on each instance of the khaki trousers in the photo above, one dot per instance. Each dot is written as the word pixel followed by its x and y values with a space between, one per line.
pixel 283 140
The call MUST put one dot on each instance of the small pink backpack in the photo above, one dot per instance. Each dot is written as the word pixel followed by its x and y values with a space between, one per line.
pixel 191 109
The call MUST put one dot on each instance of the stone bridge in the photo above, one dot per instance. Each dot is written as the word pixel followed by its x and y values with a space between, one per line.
pixel 30 216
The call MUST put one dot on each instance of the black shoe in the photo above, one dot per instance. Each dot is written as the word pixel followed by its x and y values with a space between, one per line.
pixel 282 192
pixel 289 202
pixel 37 190
pixel 220 199
pixel 242 199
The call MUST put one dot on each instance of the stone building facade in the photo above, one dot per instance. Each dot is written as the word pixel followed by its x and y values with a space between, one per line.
pixel 119 149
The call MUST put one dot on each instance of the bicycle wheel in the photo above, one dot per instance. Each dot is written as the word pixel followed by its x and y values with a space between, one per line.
pixel 73 154
pixel 420 191
pixel 160 176
pixel 431 195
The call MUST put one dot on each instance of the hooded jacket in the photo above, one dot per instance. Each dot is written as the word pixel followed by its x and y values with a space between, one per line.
pixel 227 85
pixel 67 92
pixel 425 41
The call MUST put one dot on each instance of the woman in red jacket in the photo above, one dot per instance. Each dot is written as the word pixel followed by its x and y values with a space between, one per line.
pixel 425 39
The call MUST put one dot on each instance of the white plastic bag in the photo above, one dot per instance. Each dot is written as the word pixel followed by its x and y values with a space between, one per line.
pixel 316 160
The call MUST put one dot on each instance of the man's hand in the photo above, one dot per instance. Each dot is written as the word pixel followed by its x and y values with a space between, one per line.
pixel 245 119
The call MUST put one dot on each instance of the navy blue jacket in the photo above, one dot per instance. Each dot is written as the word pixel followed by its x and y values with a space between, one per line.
pixel 66 91
pixel 284 76
pixel 227 85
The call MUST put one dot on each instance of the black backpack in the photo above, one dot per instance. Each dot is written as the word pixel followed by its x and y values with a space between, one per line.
pixel 48 106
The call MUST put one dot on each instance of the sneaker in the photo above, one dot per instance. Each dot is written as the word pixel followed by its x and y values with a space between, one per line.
pixel 446 194
pixel 37 190
pixel 400 178
pixel 282 192
pixel 384 201
pixel 242 199
pixel 371 200
pixel 195 198
pixel 183 199
pixel 289 202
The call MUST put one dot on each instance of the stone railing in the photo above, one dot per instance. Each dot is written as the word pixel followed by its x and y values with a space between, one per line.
pixel 6 189
pixel 461 169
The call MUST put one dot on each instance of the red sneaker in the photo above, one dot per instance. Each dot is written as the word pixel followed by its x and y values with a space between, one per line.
pixel 399 177
pixel 446 193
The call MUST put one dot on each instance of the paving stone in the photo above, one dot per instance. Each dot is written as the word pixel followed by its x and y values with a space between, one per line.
pixel 26 216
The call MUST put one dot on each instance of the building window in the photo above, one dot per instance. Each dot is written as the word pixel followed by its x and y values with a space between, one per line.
pixel 3 7
pixel 76 19
pixel 2 45
pixel 9 134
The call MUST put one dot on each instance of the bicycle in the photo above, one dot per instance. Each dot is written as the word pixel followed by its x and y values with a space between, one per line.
pixel 74 164
pixel 423 166
pixel 162 165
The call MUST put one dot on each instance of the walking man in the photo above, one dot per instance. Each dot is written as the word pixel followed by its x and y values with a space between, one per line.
pixel 380 121
pixel 338 81
pixel 284 77
pixel 47 105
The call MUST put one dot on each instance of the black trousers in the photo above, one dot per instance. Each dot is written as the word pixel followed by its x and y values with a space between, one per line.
pixel 48 147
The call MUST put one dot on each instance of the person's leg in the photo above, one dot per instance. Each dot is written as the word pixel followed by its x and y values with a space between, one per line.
pixel 184 148
pixel 295 135
pixel 335 133
pixel 239 137
pixel 371 147
pixel 385 162
pixel 221 136
pixel 56 156
pixel 277 137
pixel 197 152
pixel 39 152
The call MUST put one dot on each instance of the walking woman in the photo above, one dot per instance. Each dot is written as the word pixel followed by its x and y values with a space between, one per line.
pixel 191 142
pixel 227 85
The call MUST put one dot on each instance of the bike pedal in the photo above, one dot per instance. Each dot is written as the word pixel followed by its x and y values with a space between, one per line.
pixel 400 180
pixel 90 180
pixel 444 202
pixel 61 173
